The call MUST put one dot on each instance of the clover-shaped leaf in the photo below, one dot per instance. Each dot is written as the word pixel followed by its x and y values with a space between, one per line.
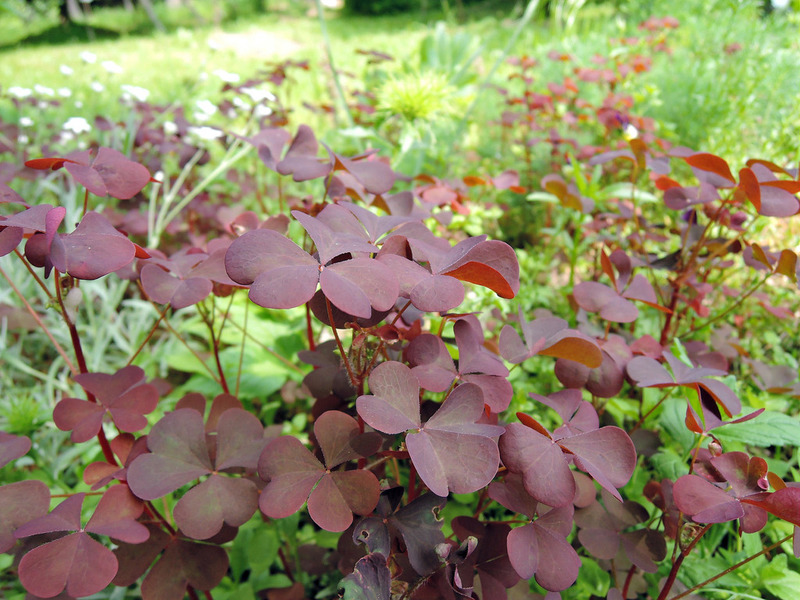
pixel 705 502
pixel 452 452
pixel 124 396
pixel 648 372
pixel 295 476
pixel 548 336
pixel 179 454
pixel 49 569
pixel 540 548
pixel 370 580
pixel 93 250
pixel 109 174
pixel 417 523
pixel 607 454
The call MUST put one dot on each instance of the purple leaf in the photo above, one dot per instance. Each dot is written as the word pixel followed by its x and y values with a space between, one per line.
pixel 705 502
pixel 93 250
pixel 22 502
pixel 63 564
pixel 12 447
pixel 282 274
pixel 394 405
pixel 783 503
pixel 541 463
pixel 419 524
pixel 178 455
pixel 607 454
pixel 597 297
pixel 116 514
pixel 201 512
pixel 370 580
pixel 453 452
pixel 185 563
pixel 291 472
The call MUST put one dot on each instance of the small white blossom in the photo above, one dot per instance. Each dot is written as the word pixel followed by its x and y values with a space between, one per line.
pixel 66 136
pixel 630 132
pixel 206 108
pixel 202 76
pixel 226 76
pixel 97 86
pixel 170 128
pixel 77 125
pixel 213 45
pixel 19 92
pixel 257 95
pixel 239 103
pixel 111 67
pixel 261 110
pixel 25 121
pixel 159 176
pixel 64 92
pixel 139 94
pixel 43 90
pixel 205 133
pixel 88 57
pixel 23 139
pixel 78 104
pixel 66 70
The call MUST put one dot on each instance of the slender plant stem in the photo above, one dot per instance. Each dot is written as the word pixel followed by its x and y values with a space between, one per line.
pixel 530 11
pixel 241 350
pixel 353 381
pixel 676 565
pixel 38 279
pixel 149 335
pixel 741 298
pixel 192 350
pixel 329 52
pixel 251 337
pixel 41 324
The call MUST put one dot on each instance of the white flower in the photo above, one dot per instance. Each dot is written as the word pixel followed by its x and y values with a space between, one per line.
pixel 88 57
pixel 206 108
pixel 261 110
pixel 630 132
pixel 66 70
pixel 111 67
pixel 170 128
pixel 213 45
pixel 77 125
pixel 78 104
pixel 140 94
pixel 64 92
pixel 43 90
pixel 23 139
pixel 226 76
pixel 25 121
pixel 19 92
pixel 97 86
pixel 257 95
pixel 205 133
pixel 239 103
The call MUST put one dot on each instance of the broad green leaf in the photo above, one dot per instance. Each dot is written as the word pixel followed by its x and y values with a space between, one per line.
pixel 768 429
pixel 625 190
pixel 780 579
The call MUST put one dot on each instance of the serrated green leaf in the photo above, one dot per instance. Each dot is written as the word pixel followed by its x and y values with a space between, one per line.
pixel 780 580
pixel 767 429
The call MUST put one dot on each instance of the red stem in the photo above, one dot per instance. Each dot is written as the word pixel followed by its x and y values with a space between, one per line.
pixel 673 574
